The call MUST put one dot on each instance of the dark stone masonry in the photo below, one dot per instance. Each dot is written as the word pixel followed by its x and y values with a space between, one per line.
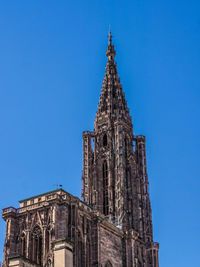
pixel 112 224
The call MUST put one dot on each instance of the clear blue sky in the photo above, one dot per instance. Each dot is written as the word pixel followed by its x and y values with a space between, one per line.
pixel 52 62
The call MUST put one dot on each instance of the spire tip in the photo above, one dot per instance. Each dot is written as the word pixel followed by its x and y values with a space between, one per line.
pixel 109 35
pixel 110 53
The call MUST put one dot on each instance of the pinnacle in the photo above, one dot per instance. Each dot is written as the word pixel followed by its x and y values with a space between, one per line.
pixel 110 53
pixel 109 37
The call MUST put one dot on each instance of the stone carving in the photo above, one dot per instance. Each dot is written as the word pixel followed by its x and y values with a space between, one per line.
pixel 112 224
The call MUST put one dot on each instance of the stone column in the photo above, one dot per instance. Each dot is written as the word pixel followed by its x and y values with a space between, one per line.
pixel 44 243
pixel 63 253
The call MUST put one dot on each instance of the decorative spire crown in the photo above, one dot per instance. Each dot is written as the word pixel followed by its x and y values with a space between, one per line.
pixel 110 53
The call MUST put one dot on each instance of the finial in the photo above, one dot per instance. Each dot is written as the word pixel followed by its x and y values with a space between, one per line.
pixel 109 36
pixel 110 53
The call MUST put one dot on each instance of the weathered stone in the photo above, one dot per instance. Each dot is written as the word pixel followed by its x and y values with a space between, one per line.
pixel 112 224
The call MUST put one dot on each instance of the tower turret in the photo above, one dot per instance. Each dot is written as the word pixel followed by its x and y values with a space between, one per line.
pixel 114 171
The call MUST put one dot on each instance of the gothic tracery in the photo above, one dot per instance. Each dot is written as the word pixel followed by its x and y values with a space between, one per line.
pixel 112 224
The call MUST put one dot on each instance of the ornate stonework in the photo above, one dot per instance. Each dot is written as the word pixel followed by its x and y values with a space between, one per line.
pixel 112 224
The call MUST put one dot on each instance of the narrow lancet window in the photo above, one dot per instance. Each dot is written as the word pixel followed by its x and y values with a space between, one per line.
pixel 105 142
pixel 36 238
pixel 105 188
pixel 23 245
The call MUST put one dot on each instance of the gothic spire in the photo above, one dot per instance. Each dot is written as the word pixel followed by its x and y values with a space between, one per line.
pixel 112 99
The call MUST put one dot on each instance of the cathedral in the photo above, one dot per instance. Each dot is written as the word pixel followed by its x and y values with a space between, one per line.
pixel 111 225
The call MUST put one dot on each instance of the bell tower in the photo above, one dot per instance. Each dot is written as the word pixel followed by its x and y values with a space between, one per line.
pixel 112 225
pixel 114 179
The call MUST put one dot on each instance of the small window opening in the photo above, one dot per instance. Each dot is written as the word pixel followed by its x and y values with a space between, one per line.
pixel 105 142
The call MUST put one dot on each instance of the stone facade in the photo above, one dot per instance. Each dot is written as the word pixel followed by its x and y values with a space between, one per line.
pixel 112 224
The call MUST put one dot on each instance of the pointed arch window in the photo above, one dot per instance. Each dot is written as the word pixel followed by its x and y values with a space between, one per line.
pixel 23 245
pixel 36 240
pixel 105 187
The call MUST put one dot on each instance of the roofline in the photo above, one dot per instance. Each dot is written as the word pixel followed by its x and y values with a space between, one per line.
pixel 52 191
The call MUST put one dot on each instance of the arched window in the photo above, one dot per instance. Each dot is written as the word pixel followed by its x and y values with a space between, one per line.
pixel 105 188
pixel 23 245
pixel 36 240
pixel 105 141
